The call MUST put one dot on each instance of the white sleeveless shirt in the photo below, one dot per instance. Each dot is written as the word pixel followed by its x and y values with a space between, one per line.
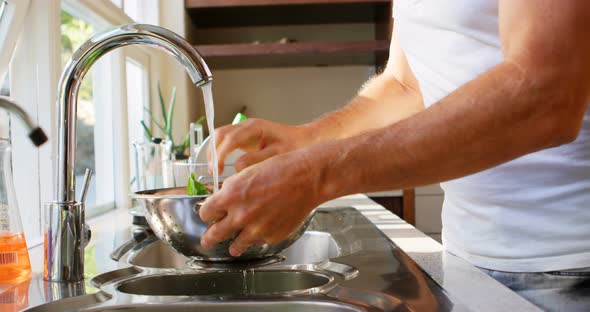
pixel 531 214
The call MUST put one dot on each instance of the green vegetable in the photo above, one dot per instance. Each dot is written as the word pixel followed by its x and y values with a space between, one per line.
pixel 239 118
pixel 193 187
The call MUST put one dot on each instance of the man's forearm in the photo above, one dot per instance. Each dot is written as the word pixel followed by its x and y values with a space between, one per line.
pixel 505 113
pixel 381 102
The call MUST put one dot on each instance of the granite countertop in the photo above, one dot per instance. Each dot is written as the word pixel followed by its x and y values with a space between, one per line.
pixel 462 281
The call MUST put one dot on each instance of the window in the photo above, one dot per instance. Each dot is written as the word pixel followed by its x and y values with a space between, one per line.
pixel 34 72
pixel 131 8
pixel 12 14
pixel 137 83
pixel 92 145
pixel 137 97
pixel 118 3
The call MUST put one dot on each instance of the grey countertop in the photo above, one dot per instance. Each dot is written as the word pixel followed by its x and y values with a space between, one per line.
pixel 462 281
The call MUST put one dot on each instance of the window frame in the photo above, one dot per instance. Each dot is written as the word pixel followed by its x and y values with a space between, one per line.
pixel 34 86
pixel 12 16
pixel 144 59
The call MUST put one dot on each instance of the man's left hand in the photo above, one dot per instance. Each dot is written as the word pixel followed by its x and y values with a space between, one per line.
pixel 264 203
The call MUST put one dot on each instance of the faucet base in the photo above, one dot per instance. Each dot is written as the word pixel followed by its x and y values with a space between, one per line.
pixel 66 235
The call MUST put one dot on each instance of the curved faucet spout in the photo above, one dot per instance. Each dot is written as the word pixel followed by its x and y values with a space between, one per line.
pixel 82 61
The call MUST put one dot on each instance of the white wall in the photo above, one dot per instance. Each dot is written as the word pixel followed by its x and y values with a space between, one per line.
pixel 429 200
pixel 289 95
pixel 286 95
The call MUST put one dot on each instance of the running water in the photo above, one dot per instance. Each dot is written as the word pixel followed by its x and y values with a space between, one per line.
pixel 248 282
pixel 210 114
pixel 244 282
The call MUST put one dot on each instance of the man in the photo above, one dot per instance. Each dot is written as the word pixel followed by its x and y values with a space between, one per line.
pixel 490 96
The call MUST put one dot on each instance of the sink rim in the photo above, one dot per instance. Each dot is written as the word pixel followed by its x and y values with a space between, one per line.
pixel 281 302
pixel 332 281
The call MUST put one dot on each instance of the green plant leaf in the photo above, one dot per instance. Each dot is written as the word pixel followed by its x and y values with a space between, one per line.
pixel 200 120
pixel 154 120
pixel 171 112
pixel 186 141
pixel 162 106
pixel 146 131
pixel 193 187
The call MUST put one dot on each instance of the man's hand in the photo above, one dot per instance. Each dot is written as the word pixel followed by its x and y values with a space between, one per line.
pixel 264 203
pixel 260 139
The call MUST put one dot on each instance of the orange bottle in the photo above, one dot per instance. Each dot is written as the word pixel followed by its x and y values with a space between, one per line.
pixel 14 257
pixel 15 265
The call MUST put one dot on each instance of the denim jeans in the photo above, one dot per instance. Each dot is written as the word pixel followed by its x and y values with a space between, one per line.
pixel 551 291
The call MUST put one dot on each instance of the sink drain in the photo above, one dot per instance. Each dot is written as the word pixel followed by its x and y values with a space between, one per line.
pixel 230 283
pixel 232 266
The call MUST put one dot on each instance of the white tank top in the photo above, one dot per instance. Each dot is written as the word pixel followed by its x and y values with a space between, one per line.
pixel 531 214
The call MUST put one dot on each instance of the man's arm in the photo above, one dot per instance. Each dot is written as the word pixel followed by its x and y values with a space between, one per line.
pixel 385 99
pixel 534 99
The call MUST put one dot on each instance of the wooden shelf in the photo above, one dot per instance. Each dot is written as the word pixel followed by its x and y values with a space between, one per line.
pixel 219 17
pixel 292 54
pixel 249 49
pixel 237 13
pixel 242 3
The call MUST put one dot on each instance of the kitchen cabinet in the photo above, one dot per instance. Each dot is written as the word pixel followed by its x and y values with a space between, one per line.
pixel 429 201
pixel 401 203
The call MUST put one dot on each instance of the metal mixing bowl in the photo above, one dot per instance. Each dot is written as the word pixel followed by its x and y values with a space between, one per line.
pixel 174 218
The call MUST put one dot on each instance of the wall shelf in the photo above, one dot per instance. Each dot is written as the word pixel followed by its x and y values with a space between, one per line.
pixel 221 17
pixel 293 54
pixel 242 3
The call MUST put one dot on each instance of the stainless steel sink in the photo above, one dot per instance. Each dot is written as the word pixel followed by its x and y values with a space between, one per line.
pixel 342 263
pixel 154 253
pixel 248 306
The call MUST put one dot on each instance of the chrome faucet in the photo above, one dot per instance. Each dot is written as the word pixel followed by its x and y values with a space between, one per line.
pixel 35 133
pixel 67 233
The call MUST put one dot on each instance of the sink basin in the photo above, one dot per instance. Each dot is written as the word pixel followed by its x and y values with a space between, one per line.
pixel 271 306
pixel 159 255
pixel 236 283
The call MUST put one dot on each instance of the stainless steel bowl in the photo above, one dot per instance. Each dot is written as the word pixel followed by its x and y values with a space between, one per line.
pixel 174 218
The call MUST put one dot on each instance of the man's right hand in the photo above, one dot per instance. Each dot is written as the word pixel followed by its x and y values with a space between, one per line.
pixel 260 139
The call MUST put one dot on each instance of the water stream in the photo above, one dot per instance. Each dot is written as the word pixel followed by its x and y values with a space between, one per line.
pixel 210 114
pixel 248 283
